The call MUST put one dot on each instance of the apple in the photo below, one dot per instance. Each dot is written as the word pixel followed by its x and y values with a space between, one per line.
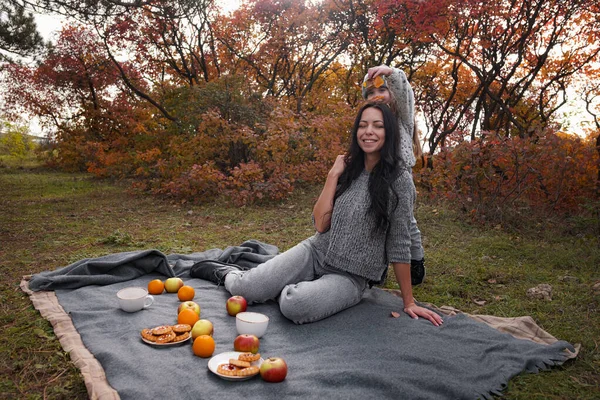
pixel 189 304
pixel 202 327
pixel 273 369
pixel 236 304
pixel 172 285
pixel 246 344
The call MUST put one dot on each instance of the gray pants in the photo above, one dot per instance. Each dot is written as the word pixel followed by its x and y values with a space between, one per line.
pixel 306 289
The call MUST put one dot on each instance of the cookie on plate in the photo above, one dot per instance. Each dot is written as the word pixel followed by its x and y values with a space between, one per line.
pixel 250 357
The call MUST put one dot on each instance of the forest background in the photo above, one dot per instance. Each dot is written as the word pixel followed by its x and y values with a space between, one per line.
pixel 189 102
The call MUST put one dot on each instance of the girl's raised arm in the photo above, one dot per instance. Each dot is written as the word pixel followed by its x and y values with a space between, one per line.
pixel 405 98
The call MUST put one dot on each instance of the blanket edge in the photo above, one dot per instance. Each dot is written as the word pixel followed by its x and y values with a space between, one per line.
pixel 50 309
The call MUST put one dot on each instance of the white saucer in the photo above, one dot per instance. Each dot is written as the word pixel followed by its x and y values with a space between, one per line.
pixel 223 358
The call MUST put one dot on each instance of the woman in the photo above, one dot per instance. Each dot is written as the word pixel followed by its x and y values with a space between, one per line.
pixel 362 217
pixel 389 85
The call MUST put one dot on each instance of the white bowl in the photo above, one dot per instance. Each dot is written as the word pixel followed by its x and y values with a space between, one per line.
pixel 251 323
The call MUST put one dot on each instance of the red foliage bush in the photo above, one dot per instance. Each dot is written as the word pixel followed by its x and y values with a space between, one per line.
pixel 247 162
pixel 198 183
pixel 494 177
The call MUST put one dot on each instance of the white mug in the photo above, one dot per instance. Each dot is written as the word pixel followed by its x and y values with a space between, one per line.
pixel 134 299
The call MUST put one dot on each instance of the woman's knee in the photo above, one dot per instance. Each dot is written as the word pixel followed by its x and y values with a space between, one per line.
pixel 304 306
pixel 294 305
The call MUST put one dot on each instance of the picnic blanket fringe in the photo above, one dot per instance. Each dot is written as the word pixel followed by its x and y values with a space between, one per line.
pixel 92 371
pixel 534 367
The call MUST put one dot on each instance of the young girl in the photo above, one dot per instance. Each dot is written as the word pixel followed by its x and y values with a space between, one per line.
pixel 393 88
pixel 362 217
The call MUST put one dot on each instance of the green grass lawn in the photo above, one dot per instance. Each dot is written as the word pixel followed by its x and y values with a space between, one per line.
pixel 51 219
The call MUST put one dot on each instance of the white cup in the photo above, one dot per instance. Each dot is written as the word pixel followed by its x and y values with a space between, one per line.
pixel 134 299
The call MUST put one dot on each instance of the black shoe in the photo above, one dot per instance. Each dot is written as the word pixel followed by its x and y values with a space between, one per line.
pixel 212 270
pixel 417 271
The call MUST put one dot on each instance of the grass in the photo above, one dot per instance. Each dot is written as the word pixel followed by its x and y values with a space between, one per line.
pixel 51 219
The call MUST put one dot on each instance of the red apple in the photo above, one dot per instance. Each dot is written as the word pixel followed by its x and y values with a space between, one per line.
pixel 236 304
pixel 273 369
pixel 246 343
pixel 172 285
pixel 189 304
pixel 202 327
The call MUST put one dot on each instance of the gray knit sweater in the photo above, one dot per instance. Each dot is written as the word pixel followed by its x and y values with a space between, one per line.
pixel 405 101
pixel 350 244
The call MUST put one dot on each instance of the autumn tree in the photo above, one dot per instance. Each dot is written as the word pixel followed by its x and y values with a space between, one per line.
pixel 285 47
pixel 590 95
pixel 503 66
pixel 169 41
pixel 77 94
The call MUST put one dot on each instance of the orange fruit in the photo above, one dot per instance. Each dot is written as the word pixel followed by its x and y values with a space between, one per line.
pixel 186 293
pixel 156 286
pixel 204 346
pixel 187 316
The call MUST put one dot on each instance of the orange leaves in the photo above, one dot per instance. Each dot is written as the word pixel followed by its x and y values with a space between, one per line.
pixel 376 82
pixel 149 155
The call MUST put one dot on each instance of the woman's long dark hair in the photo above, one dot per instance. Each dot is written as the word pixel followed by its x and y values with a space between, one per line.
pixel 383 174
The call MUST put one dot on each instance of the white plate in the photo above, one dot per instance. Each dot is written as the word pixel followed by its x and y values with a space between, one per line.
pixel 166 344
pixel 223 358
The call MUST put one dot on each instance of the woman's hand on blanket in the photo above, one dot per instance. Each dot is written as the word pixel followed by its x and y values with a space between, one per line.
pixel 415 311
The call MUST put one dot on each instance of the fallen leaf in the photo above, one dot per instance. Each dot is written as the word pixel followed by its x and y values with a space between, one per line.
pixel 395 314
pixel 491 281
pixel 479 302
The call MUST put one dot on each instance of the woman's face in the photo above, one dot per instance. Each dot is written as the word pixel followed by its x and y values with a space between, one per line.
pixel 371 131
pixel 380 94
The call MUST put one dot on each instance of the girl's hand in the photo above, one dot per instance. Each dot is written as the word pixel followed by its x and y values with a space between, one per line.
pixel 379 70
pixel 414 311
pixel 338 166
